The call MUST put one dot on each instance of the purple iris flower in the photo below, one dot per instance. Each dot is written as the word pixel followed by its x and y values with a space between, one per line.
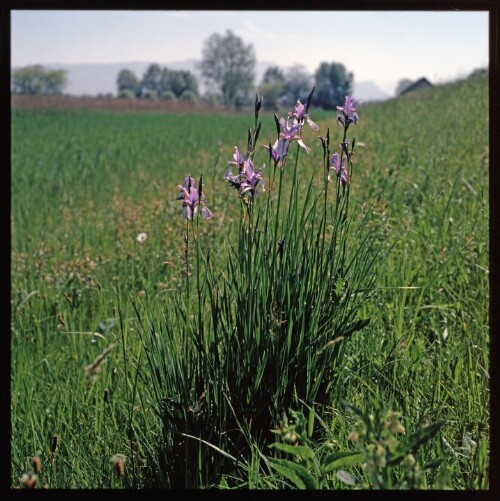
pixel 288 134
pixel 274 152
pixel 248 180
pixel 239 159
pixel 192 198
pixel 252 179
pixel 300 114
pixel 347 113
pixel 340 168
pixel 278 150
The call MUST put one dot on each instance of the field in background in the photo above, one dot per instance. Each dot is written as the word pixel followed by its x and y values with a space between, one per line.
pixel 86 183
pixel 108 104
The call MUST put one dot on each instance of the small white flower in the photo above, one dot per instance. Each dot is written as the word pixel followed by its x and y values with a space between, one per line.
pixel 142 237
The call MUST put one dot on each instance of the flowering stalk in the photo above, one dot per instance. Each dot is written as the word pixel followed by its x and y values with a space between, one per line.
pixel 341 164
pixel 290 130
pixel 186 257
pixel 248 180
pixel 325 142
pixel 192 198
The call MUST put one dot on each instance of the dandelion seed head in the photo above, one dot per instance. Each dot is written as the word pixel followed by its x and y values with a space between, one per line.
pixel 142 237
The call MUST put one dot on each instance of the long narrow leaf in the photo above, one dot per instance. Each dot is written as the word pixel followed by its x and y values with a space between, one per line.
pixel 302 451
pixel 294 470
pixel 342 459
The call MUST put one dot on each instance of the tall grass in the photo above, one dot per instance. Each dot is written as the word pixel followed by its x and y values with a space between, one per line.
pixel 81 282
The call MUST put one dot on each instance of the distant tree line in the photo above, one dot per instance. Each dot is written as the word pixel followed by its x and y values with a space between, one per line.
pixel 36 80
pixel 281 88
pixel 228 69
pixel 158 83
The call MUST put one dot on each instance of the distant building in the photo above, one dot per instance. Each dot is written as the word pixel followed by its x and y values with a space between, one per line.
pixel 421 84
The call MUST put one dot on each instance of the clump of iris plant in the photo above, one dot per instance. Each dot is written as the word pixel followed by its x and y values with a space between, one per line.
pixel 291 271
pixel 192 198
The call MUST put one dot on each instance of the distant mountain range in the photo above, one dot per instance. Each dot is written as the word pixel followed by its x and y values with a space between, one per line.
pixel 100 78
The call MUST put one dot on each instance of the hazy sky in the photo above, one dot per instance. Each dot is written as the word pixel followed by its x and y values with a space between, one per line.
pixel 379 46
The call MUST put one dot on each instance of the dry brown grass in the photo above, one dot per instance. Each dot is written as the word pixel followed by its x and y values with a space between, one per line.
pixel 110 104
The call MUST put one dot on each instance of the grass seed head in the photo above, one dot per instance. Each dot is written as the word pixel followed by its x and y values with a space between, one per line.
pixel 353 436
pixel 118 462
pixel 393 424
pixel 53 446
pixel 93 370
pixel 36 464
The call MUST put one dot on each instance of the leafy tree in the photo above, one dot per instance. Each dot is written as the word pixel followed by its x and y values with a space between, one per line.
pixel 333 82
pixel 152 95
pixel 128 83
pixel 272 87
pixel 54 82
pixel 151 83
pixel 298 84
pixel 273 95
pixel 127 94
pixel 36 80
pixel 273 74
pixel 188 96
pixel 157 83
pixel 168 95
pixel 178 82
pixel 182 81
pixel 229 65
pixel 166 82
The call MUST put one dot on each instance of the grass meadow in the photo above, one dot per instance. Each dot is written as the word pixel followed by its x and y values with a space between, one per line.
pixel 132 358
